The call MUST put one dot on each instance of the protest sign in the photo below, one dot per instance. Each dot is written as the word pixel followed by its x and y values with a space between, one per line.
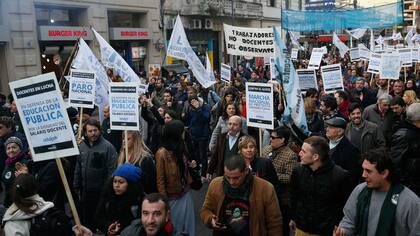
pixel 251 42
pixel 364 52
pixel 405 57
pixel 316 58
pixel 390 66
pixel 354 54
pixel 374 63
pixel 415 54
pixel 143 88
pixel 332 78
pixel 294 54
pixel 82 88
pixel 378 48
pixel 260 105
pixel 225 73
pixel 124 106
pixel 154 69
pixel 44 117
pixel 307 80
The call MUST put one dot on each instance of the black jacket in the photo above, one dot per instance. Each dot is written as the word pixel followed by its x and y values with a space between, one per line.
pixel 347 156
pixel 405 153
pixel 318 197
pixel 263 168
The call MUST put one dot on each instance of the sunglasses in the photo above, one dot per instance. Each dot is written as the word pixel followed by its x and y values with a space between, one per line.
pixel 274 137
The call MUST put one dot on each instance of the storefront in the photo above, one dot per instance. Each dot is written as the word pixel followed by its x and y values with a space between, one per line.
pixel 56 44
pixel 132 44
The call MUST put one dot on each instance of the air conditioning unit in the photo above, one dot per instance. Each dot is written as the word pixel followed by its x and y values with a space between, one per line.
pixel 195 24
pixel 208 24
pixel 170 23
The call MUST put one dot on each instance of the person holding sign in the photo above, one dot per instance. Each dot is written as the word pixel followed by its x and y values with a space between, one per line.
pixel 16 161
pixel 140 156
pixel 94 166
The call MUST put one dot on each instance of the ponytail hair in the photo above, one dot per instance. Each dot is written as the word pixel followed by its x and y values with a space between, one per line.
pixel 23 188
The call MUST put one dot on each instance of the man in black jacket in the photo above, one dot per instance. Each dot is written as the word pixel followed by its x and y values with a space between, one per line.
pixel 405 149
pixel 318 190
pixel 342 152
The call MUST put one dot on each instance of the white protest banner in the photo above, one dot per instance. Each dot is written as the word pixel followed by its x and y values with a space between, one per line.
pixel 124 106
pixel 143 88
pixel 82 88
pixel 405 57
pixel 415 54
pixel 44 117
pixel 342 48
pixel 364 52
pixel 307 80
pixel 316 58
pixel 374 63
pixel 260 105
pixel 225 72
pixel 251 42
pixel 294 54
pixel 180 48
pixel 390 66
pixel 86 60
pixel 113 59
pixel 378 48
pixel 332 78
pixel 354 54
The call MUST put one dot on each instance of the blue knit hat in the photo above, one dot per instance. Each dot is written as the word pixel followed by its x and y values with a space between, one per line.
pixel 129 172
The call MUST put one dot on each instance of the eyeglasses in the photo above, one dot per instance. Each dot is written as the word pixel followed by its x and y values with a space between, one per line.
pixel 274 137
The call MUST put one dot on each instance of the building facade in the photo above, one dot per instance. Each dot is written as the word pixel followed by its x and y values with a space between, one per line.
pixel 38 36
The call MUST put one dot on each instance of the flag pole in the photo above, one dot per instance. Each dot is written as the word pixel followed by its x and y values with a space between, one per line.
pixel 67 66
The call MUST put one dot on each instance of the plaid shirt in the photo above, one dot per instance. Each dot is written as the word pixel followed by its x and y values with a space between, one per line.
pixel 284 161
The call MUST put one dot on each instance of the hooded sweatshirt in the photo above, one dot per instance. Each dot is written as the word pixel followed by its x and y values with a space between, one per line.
pixel 17 222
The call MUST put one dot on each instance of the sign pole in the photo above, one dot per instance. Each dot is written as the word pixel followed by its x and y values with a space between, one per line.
pixel 68 192
pixel 405 74
pixel 79 132
pixel 388 86
pixel 261 140
pixel 126 146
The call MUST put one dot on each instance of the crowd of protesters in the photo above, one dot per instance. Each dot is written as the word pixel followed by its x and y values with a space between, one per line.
pixel 358 172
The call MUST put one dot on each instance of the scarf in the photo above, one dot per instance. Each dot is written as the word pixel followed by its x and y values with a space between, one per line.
pixel 14 159
pixel 242 192
pixel 387 215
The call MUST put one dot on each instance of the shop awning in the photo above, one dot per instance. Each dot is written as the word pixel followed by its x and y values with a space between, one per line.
pixel 178 68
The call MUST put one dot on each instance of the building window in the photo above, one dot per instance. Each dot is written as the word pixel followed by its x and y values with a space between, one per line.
pixel 271 3
pixel 127 19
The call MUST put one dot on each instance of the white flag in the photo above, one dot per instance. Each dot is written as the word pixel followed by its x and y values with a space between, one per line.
pixel 295 41
pixel 416 37
pixel 372 40
pixel 409 36
pixel 180 48
pixel 340 45
pixel 111 58
pixel 380 40
pixel 86 60
pixel 209 68
pixel 356 33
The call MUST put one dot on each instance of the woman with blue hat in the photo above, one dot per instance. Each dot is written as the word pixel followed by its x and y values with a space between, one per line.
pixel 119 204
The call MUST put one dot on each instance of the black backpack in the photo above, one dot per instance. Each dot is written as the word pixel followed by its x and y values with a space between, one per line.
pixel 51 222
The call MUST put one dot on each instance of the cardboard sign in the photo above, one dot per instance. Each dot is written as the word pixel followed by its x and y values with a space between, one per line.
pixel 82 88
pixel 225 73
pixel 294 54
pixel 332 78
pixel 260 105
pixel 307 80
pixel 315 59
pixel 250 42
pixel 374 63
pixel 405 57
pixel 44 117
pixel 354 54
pixel 124 106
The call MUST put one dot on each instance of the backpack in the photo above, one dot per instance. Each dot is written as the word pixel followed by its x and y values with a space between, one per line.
pixel 51 222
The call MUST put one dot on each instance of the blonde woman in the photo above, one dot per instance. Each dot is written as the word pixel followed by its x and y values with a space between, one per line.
pixel 140 155
pixel 410 97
